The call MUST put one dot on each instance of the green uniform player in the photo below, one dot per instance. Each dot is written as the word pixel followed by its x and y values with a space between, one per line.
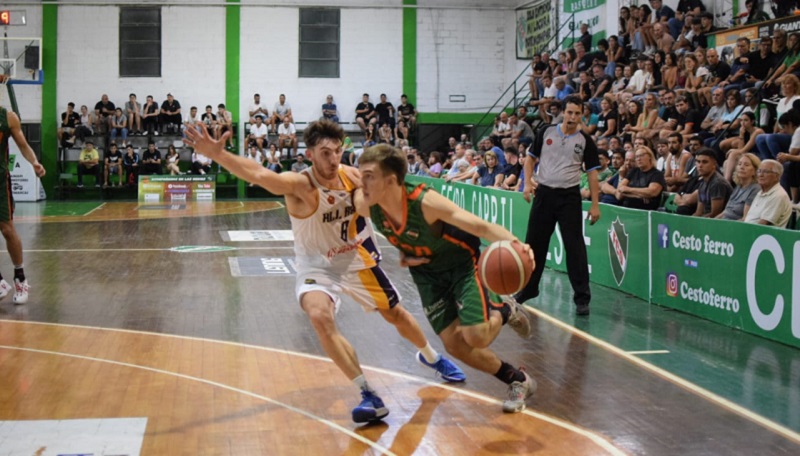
pixel 439 242
pixel 10 128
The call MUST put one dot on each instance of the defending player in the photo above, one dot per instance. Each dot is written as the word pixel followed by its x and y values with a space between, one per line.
pixel 336 252
pixel 10 127
pixel 440 243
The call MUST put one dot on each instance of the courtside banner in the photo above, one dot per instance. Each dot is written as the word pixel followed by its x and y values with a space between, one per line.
pixel 165 188
pixel 740 275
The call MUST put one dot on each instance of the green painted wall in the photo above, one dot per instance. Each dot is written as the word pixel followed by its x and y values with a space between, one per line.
pixel 410 51
pixel 232 69
pixel 49 158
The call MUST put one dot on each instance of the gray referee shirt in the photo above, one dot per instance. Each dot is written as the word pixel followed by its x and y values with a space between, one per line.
pixel 561 156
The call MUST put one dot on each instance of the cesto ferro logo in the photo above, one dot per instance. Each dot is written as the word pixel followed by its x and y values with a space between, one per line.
pixel 672 284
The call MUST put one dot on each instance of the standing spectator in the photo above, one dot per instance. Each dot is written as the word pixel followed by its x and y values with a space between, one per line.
pixel 113 165
pixel 746 188
pixel 173 161
pixel 714 191
pixel 69 122
pixel 407 112
pixel 88 162
pixel 258 134
pixel 200 164
pixel 171 115
pixel 771 205
pixel 365 113
pixel 643 186
pixel 329 110
pixel 150 116
pixel 281 112
pixel 287 137
pixel 133 111
pixel 84 128
pixel 385 111
pixel 586 37
pixel 103 111
pixel 257 109
pixel 224 123
pixel 560 151
pixel 151 160
pixel 119 126
pixel 300 164
pixel 131 163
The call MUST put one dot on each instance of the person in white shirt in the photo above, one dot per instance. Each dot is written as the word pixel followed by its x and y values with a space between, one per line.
pixel 192 120
pixel 200 163
pixel 258 110
pixel 287 136
pixel 258 134
pixel 254 154
pixel 281 111
pixel 771 205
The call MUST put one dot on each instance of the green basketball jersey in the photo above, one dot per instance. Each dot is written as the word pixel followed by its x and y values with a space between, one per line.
pixel 5 134
pixel 446 246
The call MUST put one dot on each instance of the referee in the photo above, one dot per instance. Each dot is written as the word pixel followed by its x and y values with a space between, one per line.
pixel 561 151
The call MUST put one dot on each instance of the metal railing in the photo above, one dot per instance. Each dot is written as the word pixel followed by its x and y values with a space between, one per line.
pixel 519 89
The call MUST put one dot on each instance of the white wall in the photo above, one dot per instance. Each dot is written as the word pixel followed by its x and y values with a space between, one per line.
pixel 29 97
pixel 193 57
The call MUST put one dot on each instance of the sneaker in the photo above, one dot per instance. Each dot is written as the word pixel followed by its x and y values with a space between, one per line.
pixel 582 309
pixel 518 393
pixel 4 288
pixel 21 291
pixel 370 409
pixel 518 320
pixel 444 368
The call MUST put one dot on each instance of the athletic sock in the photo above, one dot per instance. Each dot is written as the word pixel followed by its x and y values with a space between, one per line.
pixel 429 353
pixel 19 273
pixel 505 311
pixel 508 375
pixel 361 383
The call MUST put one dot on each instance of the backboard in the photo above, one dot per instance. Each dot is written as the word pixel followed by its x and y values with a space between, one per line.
pixel 21 59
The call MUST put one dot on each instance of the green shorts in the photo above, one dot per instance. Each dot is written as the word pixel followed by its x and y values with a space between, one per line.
pixel 454 294
pixel 6 198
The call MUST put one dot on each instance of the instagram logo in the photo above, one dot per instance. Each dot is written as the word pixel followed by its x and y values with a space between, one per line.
pixel 672 284
pixel 663 236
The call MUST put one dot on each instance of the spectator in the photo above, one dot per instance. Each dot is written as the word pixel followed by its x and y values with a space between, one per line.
pixel 688 121
pixel 771 206
pixel 401 131
pixel 69 122
pixel 521 132
pixel 677 164
pixel 133 112
pixel 201 164
pixel 173 161
pixel 192 120
pixel 714 190
pixel 151 160
pixel 623 162
pixel 224 123
pixel 407 112
pixel 273 152
pixel 754 12
pixel 622 75
pixel 347 155
pixel 714 115
pixel 84 128
pixel 131 163
pixel 490 174
pixel 645 125
pixel 588 121
pixel 370 136
pixel 329 110
pixel 385 111
pixel 257 109
pixel 258 134
pixel 553 115
pixel 746 188
pixel 737 79
pixel 300 163
pixel 512 170
pixel 434 165
pixel 614 56
pixel 209 119
pixel 119 126
pixel 693 79
pixel 718 72
pixel 759 63
pixel 607 119
pixel 113 165
pixel 458 161
pixel 753 104
pixel 586 37
pixel 694 7
pixel 628 116
pixel 743 143
pixel 770 145
pixel 103 111
pixel 287 137
pixel 600 85
pixel 604 173
pixel 641 81
pixel 170 115
pixel 280 112
pixel 502 129
pixel 790 61
pixel 254 154
pixel 88 162
pixel 791 164
pixel 643 186
pixel 365 113
pixel 150 116
pixel 385 134
pixel 727 124
pixel 274 164
pixel 664 42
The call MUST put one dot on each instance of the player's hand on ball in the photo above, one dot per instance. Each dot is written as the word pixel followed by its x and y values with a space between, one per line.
pixel 527 249
pixel 410 261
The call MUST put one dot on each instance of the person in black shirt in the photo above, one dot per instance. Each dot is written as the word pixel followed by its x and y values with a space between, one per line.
pixel 365 113
pixel 643 186
pixel 385 111
pixel 103 112
pixel 151 160
pixel 113 165
pixel 684 6
pixel 586 37
pixel 407 112
pixel 171 115
pixel 69 121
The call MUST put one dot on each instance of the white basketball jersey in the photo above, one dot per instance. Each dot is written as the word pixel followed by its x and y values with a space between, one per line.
pixel 334 237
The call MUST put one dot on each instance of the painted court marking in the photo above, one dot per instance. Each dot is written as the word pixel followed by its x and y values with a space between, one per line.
pixel 595 438
pixel 648 352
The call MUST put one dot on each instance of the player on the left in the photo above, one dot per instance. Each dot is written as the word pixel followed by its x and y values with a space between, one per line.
pixel 10 127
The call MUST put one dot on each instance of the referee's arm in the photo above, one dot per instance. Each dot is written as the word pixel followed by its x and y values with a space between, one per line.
pixel 530 186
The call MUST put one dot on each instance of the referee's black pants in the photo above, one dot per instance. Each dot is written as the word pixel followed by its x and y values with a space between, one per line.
pixel 562 206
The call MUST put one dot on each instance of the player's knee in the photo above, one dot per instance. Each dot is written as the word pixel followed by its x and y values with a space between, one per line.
pixel 7 230
pixel 476 336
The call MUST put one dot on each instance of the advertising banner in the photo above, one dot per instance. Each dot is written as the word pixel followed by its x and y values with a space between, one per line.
pixel 157 188
pixel 592 12
pixel 740 275
pixel 534 29
pixel 25 186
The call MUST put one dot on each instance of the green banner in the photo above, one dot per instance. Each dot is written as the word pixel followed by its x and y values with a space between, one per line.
pixel 576 6
pixel 165 188
pixel 737 274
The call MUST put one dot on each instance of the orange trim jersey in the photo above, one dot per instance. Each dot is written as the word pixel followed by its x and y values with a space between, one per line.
pixel 334 237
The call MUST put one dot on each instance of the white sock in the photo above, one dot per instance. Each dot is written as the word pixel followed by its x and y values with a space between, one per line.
pixel 429 353
pixel 361 383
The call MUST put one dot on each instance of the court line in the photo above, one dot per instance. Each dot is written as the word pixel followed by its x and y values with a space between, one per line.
pixel 648 352
pixel 316 418
pixel 596 438
pixel 98 207
pixel 669 376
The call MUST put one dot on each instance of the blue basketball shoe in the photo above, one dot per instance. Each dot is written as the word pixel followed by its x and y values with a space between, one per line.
pixel 444 368
pixel 370 409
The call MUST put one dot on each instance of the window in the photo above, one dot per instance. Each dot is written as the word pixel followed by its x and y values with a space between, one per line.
pixel 319 42
pixel 140 42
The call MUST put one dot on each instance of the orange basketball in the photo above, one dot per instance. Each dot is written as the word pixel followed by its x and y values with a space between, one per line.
pixel 504 267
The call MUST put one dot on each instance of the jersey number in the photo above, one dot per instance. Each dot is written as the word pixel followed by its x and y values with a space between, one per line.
pixel 345 225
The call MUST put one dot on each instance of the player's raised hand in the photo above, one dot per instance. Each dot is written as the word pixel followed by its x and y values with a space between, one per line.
pixel 202 142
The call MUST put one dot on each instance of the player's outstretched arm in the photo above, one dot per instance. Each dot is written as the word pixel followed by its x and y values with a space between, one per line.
pixel 16 132
pixel 242 167
pixel 437 207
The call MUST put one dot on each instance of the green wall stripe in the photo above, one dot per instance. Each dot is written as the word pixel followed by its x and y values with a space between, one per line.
pixel 232 49
pixel 452 117
pixel 410 51
pixel 49 157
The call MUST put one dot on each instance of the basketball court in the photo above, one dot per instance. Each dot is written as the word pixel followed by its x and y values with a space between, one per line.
pixel 174 329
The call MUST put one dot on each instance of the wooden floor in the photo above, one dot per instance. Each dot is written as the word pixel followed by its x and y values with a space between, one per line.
pixel 122 322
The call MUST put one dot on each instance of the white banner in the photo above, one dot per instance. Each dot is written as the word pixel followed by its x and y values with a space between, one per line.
pixel 24 184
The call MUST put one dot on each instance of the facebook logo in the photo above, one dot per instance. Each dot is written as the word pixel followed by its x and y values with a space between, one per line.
pixel 663 235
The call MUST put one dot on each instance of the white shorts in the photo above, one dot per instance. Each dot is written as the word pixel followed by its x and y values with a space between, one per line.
pixel 369 287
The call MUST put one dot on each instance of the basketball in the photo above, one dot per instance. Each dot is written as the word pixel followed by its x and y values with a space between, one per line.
pixel 504 267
